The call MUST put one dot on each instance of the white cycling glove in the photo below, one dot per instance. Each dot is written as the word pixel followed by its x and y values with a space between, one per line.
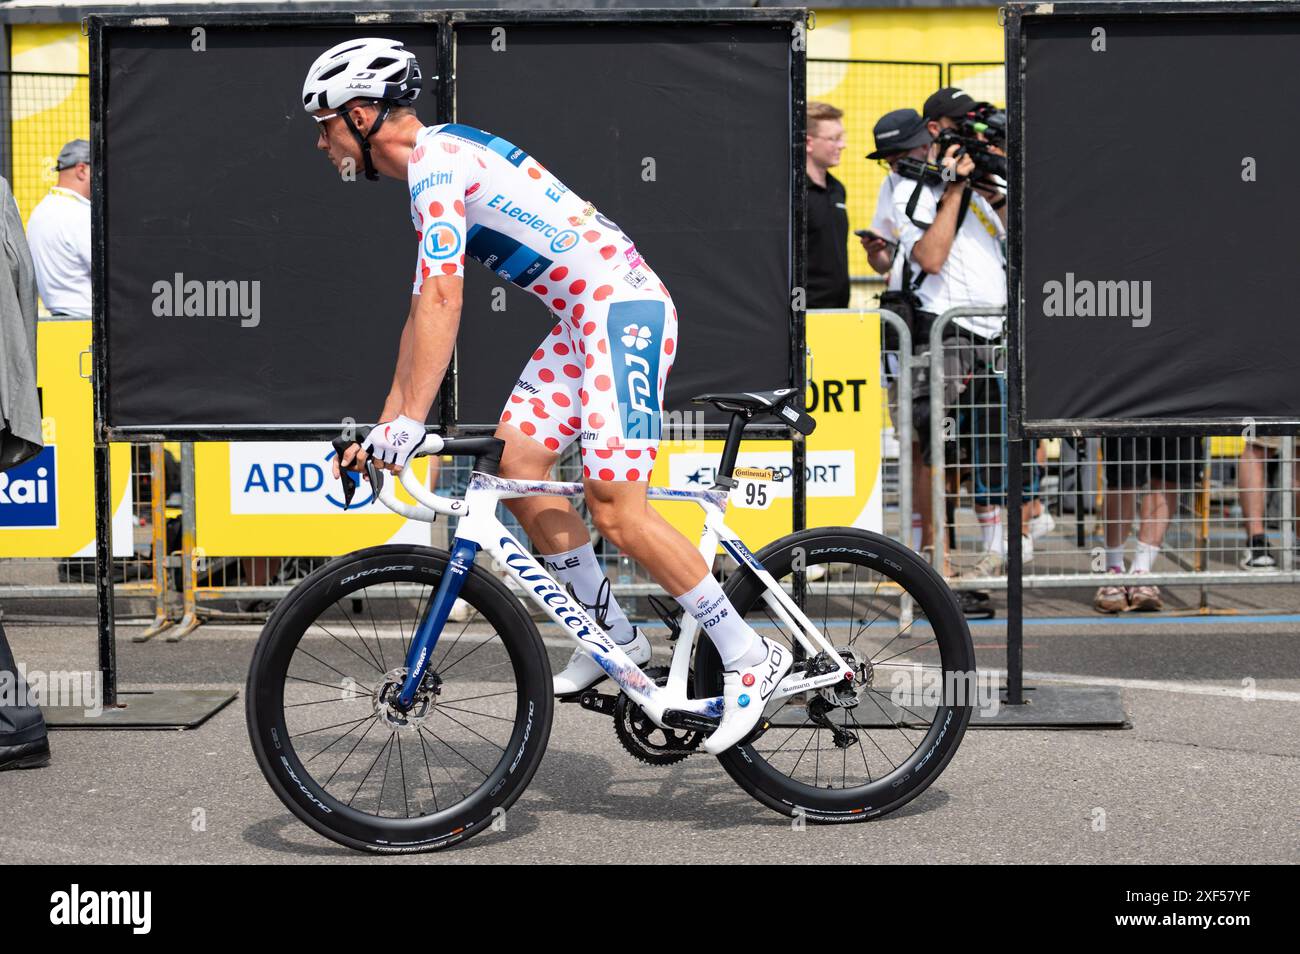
pixel 393 442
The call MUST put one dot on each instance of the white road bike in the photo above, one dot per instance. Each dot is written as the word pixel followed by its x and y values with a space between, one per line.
pixel 386 728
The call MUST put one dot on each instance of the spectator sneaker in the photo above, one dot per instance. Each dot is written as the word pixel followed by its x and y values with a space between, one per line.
pixel 1258 555
pixel 1111 598
pixel 1145 598
pixel 1041 525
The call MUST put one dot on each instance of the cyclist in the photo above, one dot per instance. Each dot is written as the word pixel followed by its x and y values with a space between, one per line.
pixel 597 376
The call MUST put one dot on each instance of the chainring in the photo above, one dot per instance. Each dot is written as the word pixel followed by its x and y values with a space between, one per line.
pixel 646 741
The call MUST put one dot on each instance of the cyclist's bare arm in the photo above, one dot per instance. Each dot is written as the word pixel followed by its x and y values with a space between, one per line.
pixel 423 356
pixel 428 342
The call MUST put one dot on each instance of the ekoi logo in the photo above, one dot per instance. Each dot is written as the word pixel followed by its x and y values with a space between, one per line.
pixel 441 240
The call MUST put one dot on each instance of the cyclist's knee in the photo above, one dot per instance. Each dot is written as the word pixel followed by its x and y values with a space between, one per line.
pixel 616 515
pixel 523 458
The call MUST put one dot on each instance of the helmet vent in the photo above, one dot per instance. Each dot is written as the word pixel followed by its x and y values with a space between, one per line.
pixel 331 72
pixel 381 62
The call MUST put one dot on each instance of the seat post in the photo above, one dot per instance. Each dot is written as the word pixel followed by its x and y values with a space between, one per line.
pixel 722 479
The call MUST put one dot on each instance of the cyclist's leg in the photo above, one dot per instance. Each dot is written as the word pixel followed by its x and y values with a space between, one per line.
pixel 539 421
pixel 630 346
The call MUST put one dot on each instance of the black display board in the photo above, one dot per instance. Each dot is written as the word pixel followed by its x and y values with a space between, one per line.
pixel 1152 177
pixel 604 106
pixel 206 168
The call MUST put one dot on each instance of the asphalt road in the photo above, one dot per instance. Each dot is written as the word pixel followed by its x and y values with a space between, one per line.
pixel 1203 774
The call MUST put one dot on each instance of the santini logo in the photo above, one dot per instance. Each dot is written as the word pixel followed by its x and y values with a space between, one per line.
pixel 1088 299
pixel 103 907
pixel 212 299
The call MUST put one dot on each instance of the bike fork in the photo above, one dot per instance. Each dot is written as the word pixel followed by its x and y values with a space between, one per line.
pixel 430 628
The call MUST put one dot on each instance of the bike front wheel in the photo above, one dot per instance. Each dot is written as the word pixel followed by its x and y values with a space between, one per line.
pixel 329 741
pixel 851 754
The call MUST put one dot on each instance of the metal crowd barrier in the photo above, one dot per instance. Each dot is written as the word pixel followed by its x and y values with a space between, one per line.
pixel 143 575
pixel 1181 496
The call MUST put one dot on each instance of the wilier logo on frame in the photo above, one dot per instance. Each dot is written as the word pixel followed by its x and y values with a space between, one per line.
pixel 1081 298
pixel 179 298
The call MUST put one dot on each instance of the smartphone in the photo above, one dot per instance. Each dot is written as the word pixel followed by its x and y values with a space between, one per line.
pixel 867 233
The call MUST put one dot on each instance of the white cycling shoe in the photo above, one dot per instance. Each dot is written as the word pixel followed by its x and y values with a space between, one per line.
pixel 745 692
pixel 583 672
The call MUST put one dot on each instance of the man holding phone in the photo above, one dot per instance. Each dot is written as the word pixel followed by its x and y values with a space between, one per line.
pixel 828 214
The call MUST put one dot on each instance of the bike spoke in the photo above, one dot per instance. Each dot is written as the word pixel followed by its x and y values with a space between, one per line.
pixel 455 750
pixel 369 662
pixel 468 729
pixel 336 771
pixel 328 666
pixel 346 615
pixel 379 809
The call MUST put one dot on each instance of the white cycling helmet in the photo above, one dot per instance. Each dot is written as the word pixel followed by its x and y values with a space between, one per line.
pixel 369 68
pixel 365 68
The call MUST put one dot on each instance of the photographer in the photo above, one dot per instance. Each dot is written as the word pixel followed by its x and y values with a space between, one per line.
pixel 899 134
pixel 952 224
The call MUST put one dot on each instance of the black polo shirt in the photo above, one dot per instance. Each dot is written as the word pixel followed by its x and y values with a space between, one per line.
pixel 828 245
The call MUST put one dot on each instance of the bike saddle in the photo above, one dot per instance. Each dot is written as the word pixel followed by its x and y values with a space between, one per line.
pixel 756 403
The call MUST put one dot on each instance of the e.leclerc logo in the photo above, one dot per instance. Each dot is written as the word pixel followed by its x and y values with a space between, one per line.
pixel 441 240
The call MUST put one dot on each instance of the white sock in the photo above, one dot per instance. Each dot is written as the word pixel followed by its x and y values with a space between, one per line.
pixel 735 640
pixel 1145 556
pixel 1115 558
pixel 581 568
pixel 918 525
pixel 991 529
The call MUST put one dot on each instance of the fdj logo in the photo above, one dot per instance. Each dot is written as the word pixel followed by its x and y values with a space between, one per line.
pixel 564 241
pixel 27 493
pixel 441 240
pixel 635 331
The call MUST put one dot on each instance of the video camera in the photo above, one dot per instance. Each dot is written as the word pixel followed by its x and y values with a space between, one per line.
pixel 982 127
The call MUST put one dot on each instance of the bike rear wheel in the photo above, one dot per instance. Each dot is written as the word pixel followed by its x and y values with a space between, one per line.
pixel 341 759
pixel 899 745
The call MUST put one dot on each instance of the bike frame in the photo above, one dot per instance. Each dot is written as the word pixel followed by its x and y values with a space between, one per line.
pixel 478 529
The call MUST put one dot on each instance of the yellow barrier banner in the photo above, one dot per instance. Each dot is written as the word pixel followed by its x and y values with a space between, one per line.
pixel 266 498
pixel 47 504
pixel 842 465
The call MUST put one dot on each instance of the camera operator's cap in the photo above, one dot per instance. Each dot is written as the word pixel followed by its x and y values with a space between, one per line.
pixel 899 131
pixel 74 152
pixel 949 101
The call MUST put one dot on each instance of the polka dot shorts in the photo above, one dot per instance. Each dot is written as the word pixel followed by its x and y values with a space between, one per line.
pixel 599 376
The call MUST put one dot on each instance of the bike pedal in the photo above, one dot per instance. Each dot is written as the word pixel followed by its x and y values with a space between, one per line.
pixel 593 701
pixel 683 719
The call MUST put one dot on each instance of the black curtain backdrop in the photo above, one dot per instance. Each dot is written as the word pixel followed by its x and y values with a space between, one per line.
pixel 1133 172
pixel 707 103
pixel 212 173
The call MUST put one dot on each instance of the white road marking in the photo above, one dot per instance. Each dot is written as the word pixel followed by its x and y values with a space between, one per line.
pixel 1160 685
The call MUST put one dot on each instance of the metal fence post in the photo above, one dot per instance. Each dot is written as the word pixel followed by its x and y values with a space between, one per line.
pixel 903 432
pixel 158 546
pixel 938 512
pixel 189 619
pixel 1287 479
